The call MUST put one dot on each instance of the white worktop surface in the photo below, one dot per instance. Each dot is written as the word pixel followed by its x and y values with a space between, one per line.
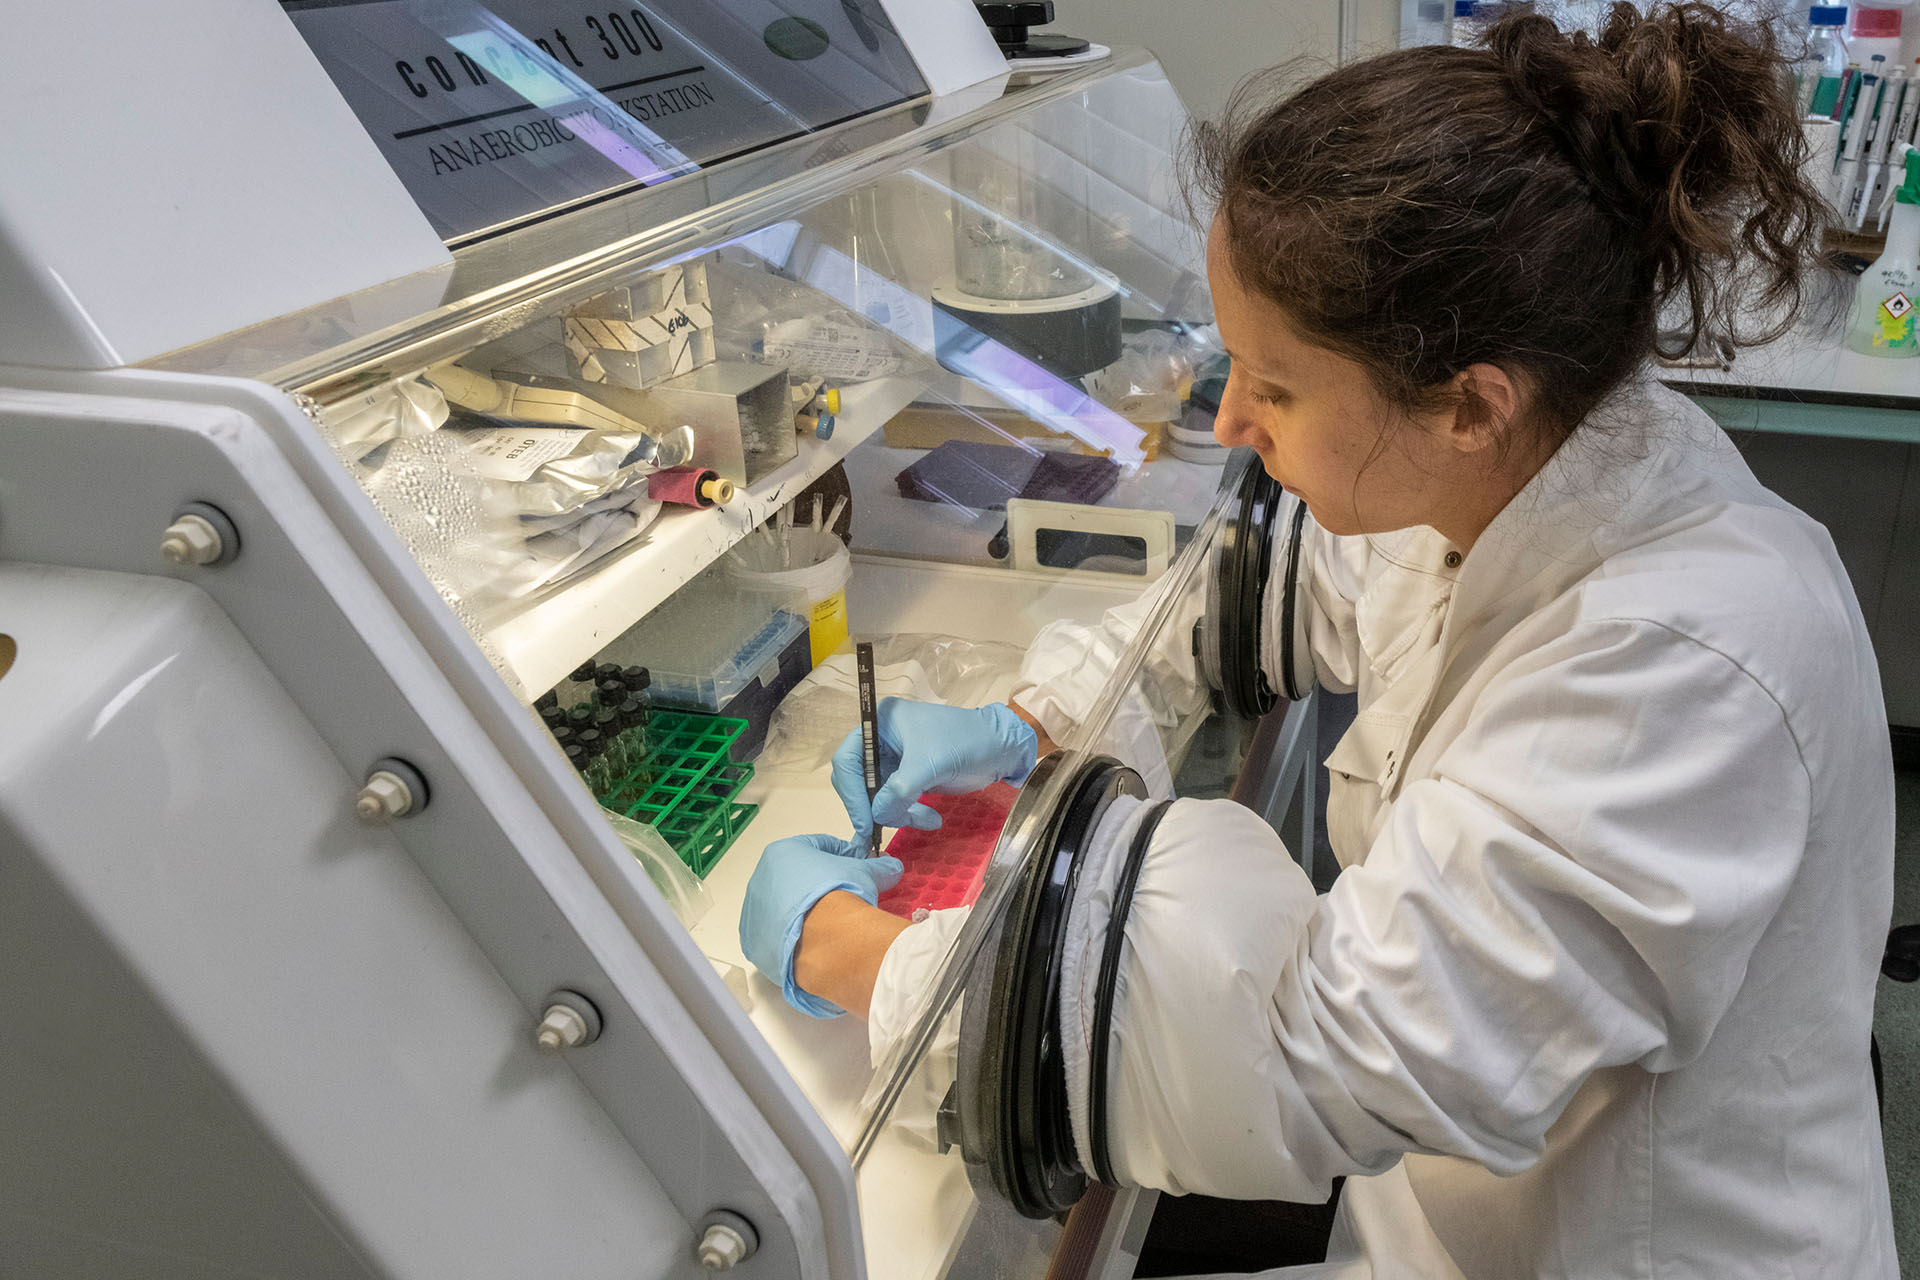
pixel 1808 360
pixel 915 1206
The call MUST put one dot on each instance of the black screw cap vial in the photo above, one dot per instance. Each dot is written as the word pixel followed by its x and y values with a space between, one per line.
pixel 591 742
pixel 552 716
pixel 548 699
pixel 584 671
pixel 637 678
pixel 576 756
pixel 580 717
pixel 612 692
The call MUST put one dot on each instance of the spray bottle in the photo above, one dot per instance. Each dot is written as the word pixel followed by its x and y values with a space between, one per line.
pixel 1882 323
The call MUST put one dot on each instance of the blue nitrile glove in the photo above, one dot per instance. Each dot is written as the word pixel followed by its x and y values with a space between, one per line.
pixel 926 746
pixel 793 874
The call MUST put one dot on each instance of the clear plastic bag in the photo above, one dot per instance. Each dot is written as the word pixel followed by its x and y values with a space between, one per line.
pixel 404 407
pixel 768 319
pixel 598 463
pixel 813 719
pixel 450 517
pixel 1145 383
pixel 490 529
pixel 678 885
pixel 573 543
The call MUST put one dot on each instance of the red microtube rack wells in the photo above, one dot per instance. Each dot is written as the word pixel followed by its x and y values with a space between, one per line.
pixel 944 868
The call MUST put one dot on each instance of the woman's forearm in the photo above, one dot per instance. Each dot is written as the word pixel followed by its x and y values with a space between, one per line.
pixel 1046 745
pixel 844 939
pixel 842 942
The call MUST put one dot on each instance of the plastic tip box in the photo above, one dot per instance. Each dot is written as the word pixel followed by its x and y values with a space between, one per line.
pixel 713 647
pixel 945 868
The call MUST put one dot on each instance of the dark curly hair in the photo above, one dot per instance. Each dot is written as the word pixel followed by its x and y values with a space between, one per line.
pixel 1532 203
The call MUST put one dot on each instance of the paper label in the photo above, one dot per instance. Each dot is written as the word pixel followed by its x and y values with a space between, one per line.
pixel 826 349
pixel 675 332
pixel 489 113
pixel 515 453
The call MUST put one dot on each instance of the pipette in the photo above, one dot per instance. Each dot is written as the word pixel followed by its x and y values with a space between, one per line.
pixel 1886 125
pixel 869 736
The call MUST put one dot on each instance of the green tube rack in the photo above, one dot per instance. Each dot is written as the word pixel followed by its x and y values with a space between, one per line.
pixel 686 786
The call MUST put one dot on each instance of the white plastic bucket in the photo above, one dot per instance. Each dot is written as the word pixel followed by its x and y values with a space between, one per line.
pixel 822 571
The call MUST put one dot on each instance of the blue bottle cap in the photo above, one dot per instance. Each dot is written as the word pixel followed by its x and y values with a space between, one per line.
pixel 1827 15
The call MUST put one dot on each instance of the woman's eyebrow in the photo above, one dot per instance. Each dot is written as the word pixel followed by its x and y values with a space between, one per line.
pixel 1261 374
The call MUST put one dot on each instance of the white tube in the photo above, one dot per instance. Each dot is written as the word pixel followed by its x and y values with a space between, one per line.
pixel 1823 146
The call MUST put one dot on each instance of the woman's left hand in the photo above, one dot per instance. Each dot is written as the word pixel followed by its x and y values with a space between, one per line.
pixel 793 875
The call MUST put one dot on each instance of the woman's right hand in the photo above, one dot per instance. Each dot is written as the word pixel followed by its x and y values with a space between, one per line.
pixel 925 746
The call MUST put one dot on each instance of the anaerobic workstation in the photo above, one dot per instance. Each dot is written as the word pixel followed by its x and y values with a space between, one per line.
pixel 380 379
pixel 371 373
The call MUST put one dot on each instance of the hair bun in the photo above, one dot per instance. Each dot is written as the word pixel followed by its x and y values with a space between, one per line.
pixel 1583 97
pixel 1674 118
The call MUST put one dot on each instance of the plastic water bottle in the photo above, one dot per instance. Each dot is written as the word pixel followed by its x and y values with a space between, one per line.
pixel 1820 71
pixel 1882 323
pixel 1875 28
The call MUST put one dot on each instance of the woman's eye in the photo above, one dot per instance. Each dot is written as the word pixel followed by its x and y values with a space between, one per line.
pixel 1277 397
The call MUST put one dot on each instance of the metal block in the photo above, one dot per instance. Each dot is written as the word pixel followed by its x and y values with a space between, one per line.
pixel 740 413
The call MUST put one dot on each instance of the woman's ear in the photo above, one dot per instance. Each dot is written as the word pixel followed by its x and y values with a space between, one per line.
pixel 1487 402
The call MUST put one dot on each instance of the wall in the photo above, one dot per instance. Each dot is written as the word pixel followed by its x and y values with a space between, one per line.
pixel 1209 47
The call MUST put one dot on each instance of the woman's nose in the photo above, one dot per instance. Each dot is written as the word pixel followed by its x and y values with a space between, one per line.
pixel 1233 426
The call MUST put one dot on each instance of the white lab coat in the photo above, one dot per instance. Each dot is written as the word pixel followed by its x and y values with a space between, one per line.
pixel 1591 996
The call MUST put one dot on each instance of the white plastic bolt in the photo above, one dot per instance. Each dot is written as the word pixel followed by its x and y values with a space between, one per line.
pixel 722 1248
pixel 385 797
pixel 562 1027
pixel 191 540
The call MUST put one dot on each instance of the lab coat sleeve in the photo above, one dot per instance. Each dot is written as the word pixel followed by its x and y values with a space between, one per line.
pixel 1327 572
pixel 1578 886
pixel 906 982
pixel 1069 663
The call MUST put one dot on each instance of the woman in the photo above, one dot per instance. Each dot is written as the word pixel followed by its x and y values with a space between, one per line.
pixel 1591 995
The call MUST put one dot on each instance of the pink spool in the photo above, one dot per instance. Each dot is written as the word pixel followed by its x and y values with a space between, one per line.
pixel 689 487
